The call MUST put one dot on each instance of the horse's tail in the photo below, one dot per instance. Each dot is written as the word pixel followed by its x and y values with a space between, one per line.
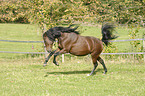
pixel 107 35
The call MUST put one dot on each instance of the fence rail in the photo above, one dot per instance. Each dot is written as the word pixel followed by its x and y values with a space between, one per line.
pixel 23 52
pixel 46 53
pixel 42 41
pixel 22 41
pixel 127 40
pixel 68 53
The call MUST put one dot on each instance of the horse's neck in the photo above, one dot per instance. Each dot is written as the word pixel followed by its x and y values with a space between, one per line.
pixel 68 37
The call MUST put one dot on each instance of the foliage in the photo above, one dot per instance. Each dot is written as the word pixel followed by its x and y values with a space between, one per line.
pixel 54 12
pixel 111 48
pixel 14 11
pixel 136 45
pixel 125 11
pixel 133 34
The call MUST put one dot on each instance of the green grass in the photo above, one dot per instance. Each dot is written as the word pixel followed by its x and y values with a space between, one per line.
pixel 22 75
pixel 27 77
pixel 23 32
pixel 20 32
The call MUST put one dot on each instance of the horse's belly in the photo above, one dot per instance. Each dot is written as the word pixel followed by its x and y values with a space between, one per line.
pixel 79 51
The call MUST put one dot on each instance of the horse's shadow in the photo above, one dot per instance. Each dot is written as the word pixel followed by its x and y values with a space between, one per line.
pixel 72 72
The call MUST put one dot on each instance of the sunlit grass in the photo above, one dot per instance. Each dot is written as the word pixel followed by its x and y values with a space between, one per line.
pixel 28 77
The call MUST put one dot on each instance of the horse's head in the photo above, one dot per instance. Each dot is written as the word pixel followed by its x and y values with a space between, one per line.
pixel 50 35
pixel 48 42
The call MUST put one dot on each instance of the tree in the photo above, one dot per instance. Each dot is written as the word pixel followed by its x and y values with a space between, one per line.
pixel 54 12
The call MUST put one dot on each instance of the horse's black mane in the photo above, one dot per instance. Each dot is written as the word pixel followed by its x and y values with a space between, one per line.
pixel 55 32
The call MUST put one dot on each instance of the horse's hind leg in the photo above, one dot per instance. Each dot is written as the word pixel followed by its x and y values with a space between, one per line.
pixel 95 66
pixel 94 59
pixel 103 64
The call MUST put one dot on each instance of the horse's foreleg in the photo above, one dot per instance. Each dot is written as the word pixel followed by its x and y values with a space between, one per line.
pixel 58 53
pixel 103 64
pixel 46 60
pixel 54 60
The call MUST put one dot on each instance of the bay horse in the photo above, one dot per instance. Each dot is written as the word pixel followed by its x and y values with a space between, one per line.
pixel 70 41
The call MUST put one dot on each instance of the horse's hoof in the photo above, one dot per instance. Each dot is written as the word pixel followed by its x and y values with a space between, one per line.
pixel 44 65
pixel 104 72
pixel 56 63
pixel 88 74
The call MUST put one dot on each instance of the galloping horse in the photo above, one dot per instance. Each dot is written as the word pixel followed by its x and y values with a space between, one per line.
pixel 70 41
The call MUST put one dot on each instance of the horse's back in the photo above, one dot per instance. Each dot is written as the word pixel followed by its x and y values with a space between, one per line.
pixel 86 45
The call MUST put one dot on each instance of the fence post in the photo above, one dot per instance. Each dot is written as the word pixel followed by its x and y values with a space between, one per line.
pixel 143 47
pixel 62 58
pixel 44 29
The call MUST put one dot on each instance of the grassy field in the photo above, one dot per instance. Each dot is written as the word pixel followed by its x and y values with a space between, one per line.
pixel 27 77
pixel 20 32
pixel 23 75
